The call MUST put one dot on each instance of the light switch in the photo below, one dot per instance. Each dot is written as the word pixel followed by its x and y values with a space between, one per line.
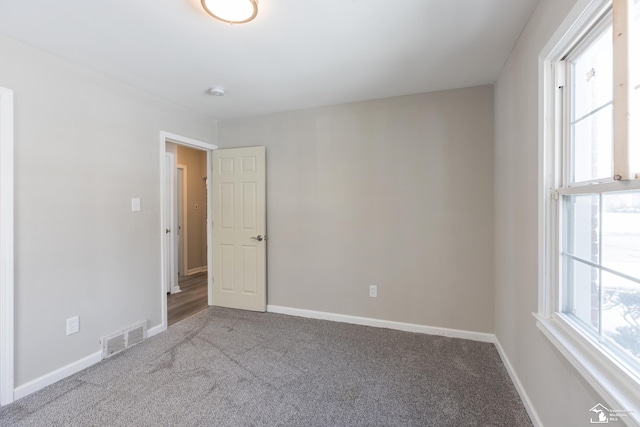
pixel 135 204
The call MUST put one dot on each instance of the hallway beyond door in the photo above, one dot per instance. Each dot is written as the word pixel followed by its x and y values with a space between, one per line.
pixel 191 299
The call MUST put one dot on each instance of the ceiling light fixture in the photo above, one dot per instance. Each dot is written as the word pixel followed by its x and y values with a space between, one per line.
pixel 231 11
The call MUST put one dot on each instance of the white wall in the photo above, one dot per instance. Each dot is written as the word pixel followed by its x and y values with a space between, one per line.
pixel 84 146
pixel 395 192
pixel 558 393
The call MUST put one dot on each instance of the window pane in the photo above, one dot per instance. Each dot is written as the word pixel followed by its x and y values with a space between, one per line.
pixel 636 46
pixel 583 292
pixel 592 146
pixel 634 151
pixel 581 226
pixel 581 239
pixel 635 52
pixel 621 232
pixel 592 77
pixel 621 315
pixel 591 110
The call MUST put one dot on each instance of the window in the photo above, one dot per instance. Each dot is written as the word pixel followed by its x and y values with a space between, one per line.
pixel 600 250
pixel 590 236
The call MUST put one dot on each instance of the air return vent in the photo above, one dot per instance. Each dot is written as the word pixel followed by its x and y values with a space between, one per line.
pixel 117 342
pixel 136 334
pixel 112 345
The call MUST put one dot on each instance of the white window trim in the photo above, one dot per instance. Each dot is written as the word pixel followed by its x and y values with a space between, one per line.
pixel 610 380
pixel 6 247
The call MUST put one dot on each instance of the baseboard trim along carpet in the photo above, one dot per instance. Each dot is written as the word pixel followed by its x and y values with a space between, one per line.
pixel 72 368
pixel 156 330
pixel 429 330
pixel 57 375
pixel 68 370
pixel 377 323
pixel 533 414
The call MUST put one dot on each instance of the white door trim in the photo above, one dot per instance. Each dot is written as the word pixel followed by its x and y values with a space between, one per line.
pixel 171 286
pixel 6 248
pixel 192 143
pixel 184 237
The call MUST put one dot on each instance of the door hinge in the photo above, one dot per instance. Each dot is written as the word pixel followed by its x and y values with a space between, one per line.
pixel 555 195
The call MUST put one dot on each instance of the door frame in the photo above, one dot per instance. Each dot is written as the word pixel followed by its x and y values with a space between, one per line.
pixel 170 192
pixel 208 148
pixel 6 248
pixel 182 246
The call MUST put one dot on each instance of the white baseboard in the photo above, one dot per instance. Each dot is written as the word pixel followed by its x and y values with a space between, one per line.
pixel 68 370
pixel 430 330
pixel 533 414
pixel 197 270
pixel 77 366
pixel 377 323
pixel 57 375
pixel 156 330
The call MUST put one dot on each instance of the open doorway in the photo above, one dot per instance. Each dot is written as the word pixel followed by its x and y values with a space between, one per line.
pixel 186 246
pixel 187 202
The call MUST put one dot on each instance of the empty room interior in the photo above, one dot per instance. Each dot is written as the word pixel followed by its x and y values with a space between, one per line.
pixel 363 212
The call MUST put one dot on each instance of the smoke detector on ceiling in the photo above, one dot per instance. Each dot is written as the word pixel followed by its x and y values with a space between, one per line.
pixel 216 91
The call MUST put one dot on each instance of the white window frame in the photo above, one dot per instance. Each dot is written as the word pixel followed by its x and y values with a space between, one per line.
pixel 618 387
pixel 6 247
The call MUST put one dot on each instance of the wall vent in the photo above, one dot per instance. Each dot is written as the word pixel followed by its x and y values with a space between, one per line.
pixel 136 334
pixel 119 341
pixel 112 345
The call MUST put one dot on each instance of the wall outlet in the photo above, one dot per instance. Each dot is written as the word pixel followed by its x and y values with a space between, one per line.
pixel 373 291
pixel 135 204
pixel 73 325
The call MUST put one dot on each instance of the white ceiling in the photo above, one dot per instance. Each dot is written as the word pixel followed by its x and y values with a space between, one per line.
pixel 296 54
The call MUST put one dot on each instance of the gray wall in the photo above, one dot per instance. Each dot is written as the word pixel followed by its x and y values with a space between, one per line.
pixel 558 393
pixel 196 163
pixel 395 192
pixel 84 146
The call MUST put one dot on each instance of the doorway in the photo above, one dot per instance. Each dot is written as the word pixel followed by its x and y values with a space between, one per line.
pixel 179 218
pixel 187 241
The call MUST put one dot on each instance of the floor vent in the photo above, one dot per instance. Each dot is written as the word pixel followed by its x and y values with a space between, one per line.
pixel 119 341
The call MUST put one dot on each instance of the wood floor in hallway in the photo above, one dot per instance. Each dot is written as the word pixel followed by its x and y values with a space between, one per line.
pixel 191 300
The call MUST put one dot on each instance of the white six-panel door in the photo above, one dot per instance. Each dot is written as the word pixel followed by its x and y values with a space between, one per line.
pixel 239 228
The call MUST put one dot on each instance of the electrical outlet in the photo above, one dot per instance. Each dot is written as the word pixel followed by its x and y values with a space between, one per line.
pixel 73 325
pixel 135 204
pixel 373 291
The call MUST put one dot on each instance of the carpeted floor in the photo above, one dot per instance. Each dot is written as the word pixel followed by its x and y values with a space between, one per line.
pixel 225 367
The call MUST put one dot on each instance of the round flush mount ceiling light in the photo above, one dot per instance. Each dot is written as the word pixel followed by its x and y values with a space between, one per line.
pixel 231 11
pixel 216 91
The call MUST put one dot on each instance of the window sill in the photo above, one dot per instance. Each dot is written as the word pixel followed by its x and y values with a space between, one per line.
pixel 617 387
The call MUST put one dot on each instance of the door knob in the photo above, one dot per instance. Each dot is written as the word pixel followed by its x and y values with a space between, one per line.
pixel 259 238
